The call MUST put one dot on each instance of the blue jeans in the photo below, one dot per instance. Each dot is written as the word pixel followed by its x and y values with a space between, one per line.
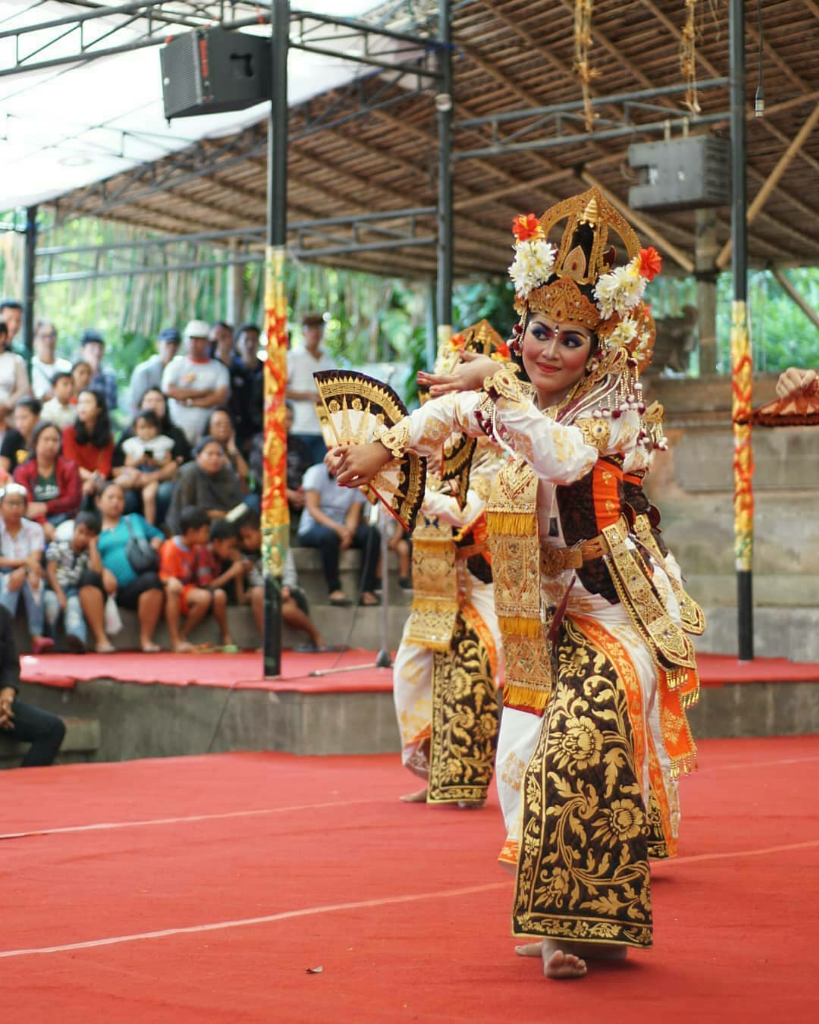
pixel 133 501
pixel 328 542
pixel 33 598
pixel 74 619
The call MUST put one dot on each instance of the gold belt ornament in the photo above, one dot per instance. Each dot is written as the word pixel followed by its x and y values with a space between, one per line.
pixel 554 560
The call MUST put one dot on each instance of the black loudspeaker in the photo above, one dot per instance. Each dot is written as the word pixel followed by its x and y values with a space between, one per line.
pixel 681 174
pixel 212 70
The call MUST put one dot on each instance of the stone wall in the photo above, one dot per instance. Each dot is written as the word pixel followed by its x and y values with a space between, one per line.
pixel 692 484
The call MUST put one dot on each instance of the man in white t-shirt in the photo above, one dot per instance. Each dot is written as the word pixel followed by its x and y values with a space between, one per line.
pixel 302 363
pixel 194 383
pixel 45 363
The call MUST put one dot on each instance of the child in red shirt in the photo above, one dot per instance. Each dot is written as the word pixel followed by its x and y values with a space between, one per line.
pixel 185 569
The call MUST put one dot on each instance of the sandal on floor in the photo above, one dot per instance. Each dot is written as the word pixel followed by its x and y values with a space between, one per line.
pixel 340 602
pixel 369 604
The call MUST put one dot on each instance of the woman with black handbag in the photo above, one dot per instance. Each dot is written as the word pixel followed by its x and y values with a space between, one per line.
pixel 129 548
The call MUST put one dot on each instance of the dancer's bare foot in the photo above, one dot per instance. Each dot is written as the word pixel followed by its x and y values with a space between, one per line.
pixel 558 964
pixel 530 949
pixel 415 798
pixel 181 647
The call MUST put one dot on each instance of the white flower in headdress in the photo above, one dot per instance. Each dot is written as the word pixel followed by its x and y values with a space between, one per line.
pixel 620 289
pixel 623 334
pixel 533 264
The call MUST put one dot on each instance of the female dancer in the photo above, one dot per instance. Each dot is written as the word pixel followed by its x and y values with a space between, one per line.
pixel 597 668
pixel 447 666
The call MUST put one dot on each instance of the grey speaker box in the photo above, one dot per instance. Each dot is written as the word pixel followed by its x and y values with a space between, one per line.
pixel 212 70
pixel 681 174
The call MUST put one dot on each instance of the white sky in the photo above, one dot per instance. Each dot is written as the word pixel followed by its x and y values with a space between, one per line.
pixel 63 127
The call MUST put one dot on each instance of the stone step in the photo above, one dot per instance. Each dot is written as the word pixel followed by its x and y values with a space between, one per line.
pixel 83 738
pixel 337 626
pixel 778 632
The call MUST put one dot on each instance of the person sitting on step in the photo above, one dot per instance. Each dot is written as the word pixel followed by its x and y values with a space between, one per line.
pixel 22 722
pixel 184 568
pixel 74 571
pixel 295 609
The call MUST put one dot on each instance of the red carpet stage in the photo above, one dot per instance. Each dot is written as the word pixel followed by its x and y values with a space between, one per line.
pixel 243 671
pixel 203 890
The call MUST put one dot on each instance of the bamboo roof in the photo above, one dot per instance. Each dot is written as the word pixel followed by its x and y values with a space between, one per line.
pixel 508 55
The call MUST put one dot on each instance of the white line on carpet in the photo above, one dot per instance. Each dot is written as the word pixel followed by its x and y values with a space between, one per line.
pixel 362 904
pixel 99 826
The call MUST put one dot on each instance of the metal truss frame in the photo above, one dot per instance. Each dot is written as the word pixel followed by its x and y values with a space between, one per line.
pixel 90 37
pixel 539 118
pixel 392 228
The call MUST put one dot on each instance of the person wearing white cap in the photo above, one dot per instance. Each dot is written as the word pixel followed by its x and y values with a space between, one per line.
pixel 194 383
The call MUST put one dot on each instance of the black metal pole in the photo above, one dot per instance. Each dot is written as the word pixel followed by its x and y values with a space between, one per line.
pixel 443 104
pixel 29 266
pixel 742 367
pixel 275 524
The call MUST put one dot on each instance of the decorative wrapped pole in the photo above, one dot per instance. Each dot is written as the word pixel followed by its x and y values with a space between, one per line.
pixel 741 363
pixel 443 104
pixel 275 516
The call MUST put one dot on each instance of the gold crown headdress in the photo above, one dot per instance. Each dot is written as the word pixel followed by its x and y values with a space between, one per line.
pixel 577 282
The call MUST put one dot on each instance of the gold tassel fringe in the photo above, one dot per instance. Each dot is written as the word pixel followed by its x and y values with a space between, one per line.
pixel 516 695
pixel 512 524
pixel 520 626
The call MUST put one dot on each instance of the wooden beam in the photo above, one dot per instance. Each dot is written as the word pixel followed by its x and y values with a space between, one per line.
pixel 639 222
pixel 805 306
pixel 773 178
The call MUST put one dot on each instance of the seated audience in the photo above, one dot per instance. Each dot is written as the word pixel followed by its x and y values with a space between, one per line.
pixel 14 383
pixel 298 462
pixel 45 363
pixel 22 543
pixel 295 609
pixel 52 481
pixel 81 374
pixel 22 722
pixel 246 403
pixel 185 570
pixel 208 482
pixel 17 442
pixel 74 572
pixel 154 401
pixel 220 426
pixel 226 564
pixel 331 522
pixel 147 452
pixel 401 544
pixel 102 379
pixel 89 443
pixel 221 343
pixel 139 588
pixel 61 410
pixel 11 314
pixel 194 383
pixel 149 374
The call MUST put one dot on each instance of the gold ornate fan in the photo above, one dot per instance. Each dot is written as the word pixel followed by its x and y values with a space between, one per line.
pixel 358 409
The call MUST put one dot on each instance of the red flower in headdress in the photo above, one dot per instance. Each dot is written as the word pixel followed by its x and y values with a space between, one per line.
pixel 525 226
pixel 457 341
pixel 651 263
pixel 502 352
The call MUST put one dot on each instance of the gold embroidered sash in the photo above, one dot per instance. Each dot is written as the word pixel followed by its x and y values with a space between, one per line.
pixel 435 586
pixel 511 518
pixel 692 616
